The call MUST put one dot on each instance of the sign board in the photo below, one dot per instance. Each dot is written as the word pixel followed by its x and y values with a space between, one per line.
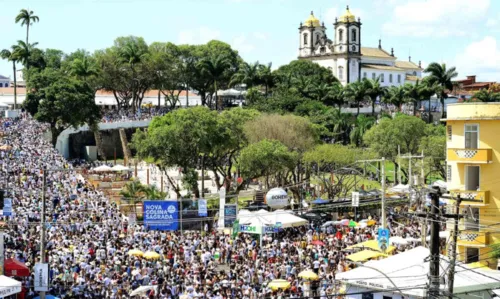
pixel 279 224
pixel 383 239
pixel 132 219
pixel 222 204
pixel 268 229
pixel 355 199
pixel 277 198
pixel 230 215
pixel 249 229
pixel 41 277
pixel 236 228
pixel 161 215
pixel 202 208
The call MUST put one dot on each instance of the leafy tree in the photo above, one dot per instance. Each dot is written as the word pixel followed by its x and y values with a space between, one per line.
pixel 12 55
pixel 254 97
pixel 247 74
pixel 266 77
pixel 487 96
pixel 440 74
pixel 433 146
pixel 396 96
pixel 23 52
pixel 356 92
pixel 310 108
pixel 267 158
pixel 27 17
pixel 374 90
pixel 282 101
pixel 214 68
pixel 418 92
pixel 361 126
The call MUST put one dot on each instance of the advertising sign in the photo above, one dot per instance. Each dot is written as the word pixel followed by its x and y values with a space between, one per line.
pixel 7 207
pixel 41 277
pixel 230 215
pixel 355 199
pixel 249 229
pixel 222 204
pixel 383 238
pixel 161 215
pixel 202 208
pixel 277 198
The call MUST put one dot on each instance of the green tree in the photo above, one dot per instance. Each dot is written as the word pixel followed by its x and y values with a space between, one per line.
pixel 12 56
pixel 247 74
pixel 266 77
pixel 396 96
pixel 214 68
pixel 418 92
pixel 440 74
pixel 433 146
pixel 374 90
pixel 360 127
pixel 27 17
pixel 23 52
pixel 356 92
pixel 486 96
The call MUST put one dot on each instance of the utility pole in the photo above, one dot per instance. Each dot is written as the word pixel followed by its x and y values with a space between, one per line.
pixel 399 164
pixel 410 157
pixel 453 253
pixel 42 222
pixel 382 174
pixel 435 254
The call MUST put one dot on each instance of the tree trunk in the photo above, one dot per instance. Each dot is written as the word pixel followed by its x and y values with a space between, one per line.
pixel 27 31
pixel 358 109
pixel 127 155
pixel 159 98
pixel 373 106
pixel 98 143
pixel 414 107
pixel 443 114
pixel 15 84
pixel 216 100
pixel 55 133
pixel 187 96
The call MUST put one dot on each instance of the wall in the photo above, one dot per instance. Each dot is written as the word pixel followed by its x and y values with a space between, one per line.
pixel 370 71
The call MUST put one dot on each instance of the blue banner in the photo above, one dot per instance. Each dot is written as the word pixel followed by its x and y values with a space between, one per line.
pixel 161 215
pixel 230 214
pixel 7 207
pixel 383 239
pixel 202 208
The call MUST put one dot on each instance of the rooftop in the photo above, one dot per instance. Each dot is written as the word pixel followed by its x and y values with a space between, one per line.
pixel 100 93
pixel 411 78
pixel 376 52
pixel 407 65
pixel 3 77
pixel 473 111
pixel 380 67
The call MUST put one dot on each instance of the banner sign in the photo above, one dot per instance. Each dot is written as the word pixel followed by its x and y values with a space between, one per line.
pixel 222 204
pixel 230 214
pixel 41 277
pixel 7 207
pixel 202 208
pixel 249 229
pixel 355 199
pixel 383 239
pixel 161 215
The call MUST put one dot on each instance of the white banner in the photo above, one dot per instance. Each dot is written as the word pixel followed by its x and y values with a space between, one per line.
pixel 7 207
pixel 41 277
pixel 222 204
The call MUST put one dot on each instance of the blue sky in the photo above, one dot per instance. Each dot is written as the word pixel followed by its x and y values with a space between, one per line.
pixel 463 33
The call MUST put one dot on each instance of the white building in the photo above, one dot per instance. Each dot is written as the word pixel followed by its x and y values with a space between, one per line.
pixel 346 57
pixel 4 82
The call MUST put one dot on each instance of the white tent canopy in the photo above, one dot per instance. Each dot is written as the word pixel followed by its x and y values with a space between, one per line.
pixel 102 168
pixel 286 219
pixel 9 286
pixel 400 189
pixel 408 271
pixel 120 168
pixel 262 218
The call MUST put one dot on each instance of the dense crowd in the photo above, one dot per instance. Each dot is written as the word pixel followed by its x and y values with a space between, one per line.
pixel 122 115
pixel 88 239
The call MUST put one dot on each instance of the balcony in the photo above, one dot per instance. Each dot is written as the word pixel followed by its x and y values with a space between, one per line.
pixel 470 155
pixel 472 198
pixel 473 238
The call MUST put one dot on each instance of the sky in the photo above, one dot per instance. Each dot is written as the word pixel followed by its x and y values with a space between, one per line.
pixel 461 33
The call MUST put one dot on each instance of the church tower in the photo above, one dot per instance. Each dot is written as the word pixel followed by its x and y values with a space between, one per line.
pixel 347 46
pixel 310 34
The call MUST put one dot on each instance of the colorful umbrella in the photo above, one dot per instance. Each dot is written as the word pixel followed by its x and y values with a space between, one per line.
pixel 371 222
pixel 135 252
pixel 151 255
pixel 309 275
pixel 318 242
pixel 352 223
pixel 279 284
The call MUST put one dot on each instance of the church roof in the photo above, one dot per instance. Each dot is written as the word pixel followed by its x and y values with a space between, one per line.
pixel 407 65
pixel 380 67
pixel 411 78
pixel 312 21
pixel 347 16
pixel 375 52
pixel 3 77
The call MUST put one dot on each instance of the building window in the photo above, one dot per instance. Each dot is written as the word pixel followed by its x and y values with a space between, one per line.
pixel 318 38
pixel 353 35
pixel 341 73
pixel 448 132
pixel 448 173
pixel 364 75
pixel 471 136
pixel 341 35
pixel 374 76
pixel 305 38
pixel 399 78
pixel 390 78
pixel 414 73
pixel 381 77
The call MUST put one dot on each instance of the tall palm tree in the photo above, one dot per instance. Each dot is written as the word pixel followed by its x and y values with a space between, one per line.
pixel 361 125
pixel 133 193
pixel 266 76
pixel 27 17
pixel 438 73
pixel 341 126
pixel 214 68
pixel 396 96
pixel 356 92
pixel 153 193
pixel 247 74
pixel 487 96
pixel 83 68
pixel 23 52
pixel 11 55
pixel 132 54
pixel 374 90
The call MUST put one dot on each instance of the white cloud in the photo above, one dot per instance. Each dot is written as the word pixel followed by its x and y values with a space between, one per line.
pixel 335 12
pixel 424 18
pixel 198 36
pixel 330 16
pixel 242 44
pixel 260 35
pixel 491 22
pixel 481 58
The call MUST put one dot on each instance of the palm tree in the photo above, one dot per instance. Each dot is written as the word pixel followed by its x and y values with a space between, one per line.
pixel 487 96
pixel 441 75
pixel 356 92
pixel 214 68
pixel 11 56
pixel 23 52
pixel 361 125
pixel 342 125
pixel 374 90
pixel 152 193
pixel 266 76
pixel 247 74
pixel 132 54
pixel 396 96
pixel 27 17
pixel 83 68
pixel 133 192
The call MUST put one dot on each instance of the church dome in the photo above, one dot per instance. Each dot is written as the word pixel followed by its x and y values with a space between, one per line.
pixel 312 21
pixel 347 16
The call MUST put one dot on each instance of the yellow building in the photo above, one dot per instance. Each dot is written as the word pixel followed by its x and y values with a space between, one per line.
pixel 473 172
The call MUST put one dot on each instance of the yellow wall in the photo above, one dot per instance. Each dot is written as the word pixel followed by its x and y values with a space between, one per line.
pixel 485 115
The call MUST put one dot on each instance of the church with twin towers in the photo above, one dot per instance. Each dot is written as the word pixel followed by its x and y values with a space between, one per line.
pixel 347 58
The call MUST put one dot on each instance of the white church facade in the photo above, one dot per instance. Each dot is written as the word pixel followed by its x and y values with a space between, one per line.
pixel 347 58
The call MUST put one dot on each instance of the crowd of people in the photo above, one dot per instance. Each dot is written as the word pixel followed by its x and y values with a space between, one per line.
pixel 88 239
pixel 122 115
